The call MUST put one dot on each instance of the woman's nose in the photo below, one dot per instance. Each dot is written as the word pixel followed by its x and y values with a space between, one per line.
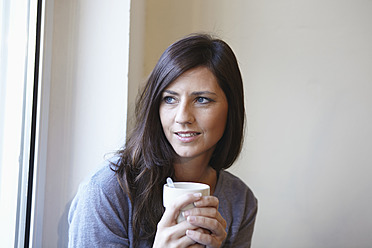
pixel 184 114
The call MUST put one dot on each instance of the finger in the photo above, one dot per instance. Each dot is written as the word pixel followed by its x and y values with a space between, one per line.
pixel 209 212
pixel 175 236
pixel 196 246
pixel 217 228
pixel 179 230
pixel 207 201
pixel 172 211
pixel 204 239
pixel 202 230
pixel 185 241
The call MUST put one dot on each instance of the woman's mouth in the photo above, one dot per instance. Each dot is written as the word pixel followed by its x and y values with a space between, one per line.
pixel 187 136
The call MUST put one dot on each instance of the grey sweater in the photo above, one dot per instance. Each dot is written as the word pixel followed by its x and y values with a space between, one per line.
pixel 101 213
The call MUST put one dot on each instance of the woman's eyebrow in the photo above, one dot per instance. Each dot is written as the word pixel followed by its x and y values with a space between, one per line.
pixel 195 93
pixel 171 92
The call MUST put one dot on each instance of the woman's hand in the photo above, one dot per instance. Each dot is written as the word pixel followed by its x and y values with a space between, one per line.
pixel 171 234
pixel 205 215
pixel 204 226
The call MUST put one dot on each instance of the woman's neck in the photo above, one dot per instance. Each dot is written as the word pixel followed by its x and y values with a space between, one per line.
pixel 192 170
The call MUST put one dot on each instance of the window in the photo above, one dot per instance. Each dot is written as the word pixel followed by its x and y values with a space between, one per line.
pixel 18 85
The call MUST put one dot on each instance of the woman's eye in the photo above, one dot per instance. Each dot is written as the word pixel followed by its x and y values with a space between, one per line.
pixel 169 99
pixel 203 100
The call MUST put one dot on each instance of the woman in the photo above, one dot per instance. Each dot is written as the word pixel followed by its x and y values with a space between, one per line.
pixel 189 126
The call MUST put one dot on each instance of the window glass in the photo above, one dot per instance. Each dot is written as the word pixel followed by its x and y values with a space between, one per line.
pixel 16 87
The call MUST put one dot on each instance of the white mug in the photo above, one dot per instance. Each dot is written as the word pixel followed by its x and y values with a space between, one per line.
pixel 182 188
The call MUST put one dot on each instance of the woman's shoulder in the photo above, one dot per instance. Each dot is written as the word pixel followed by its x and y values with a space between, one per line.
pixel 231 186
pixel 100 210
pixel 105 177
pixel 238 206
pixel 102 187
pixel 227 178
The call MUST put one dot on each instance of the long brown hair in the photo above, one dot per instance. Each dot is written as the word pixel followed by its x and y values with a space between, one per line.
pixel 147 158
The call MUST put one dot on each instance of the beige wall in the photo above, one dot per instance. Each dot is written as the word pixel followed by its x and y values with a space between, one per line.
pixel 308 83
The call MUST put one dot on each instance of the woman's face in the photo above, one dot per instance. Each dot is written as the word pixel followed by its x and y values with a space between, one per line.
pixel 193 113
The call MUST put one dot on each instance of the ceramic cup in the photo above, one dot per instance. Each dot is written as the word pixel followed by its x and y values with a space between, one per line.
pixel 182 188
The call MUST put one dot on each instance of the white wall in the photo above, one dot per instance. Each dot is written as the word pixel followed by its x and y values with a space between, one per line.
pixel 88 100
pixel 308 80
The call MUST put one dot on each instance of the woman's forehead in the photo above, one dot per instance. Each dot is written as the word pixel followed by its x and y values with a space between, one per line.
pixel 195 80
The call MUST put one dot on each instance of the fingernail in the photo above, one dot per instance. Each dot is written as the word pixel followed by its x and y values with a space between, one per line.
pixel 190 232
pixel 198 194
pixel 191 218
pixel 186 213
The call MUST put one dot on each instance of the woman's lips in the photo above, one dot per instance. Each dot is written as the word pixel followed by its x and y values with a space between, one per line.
pixel 187 136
